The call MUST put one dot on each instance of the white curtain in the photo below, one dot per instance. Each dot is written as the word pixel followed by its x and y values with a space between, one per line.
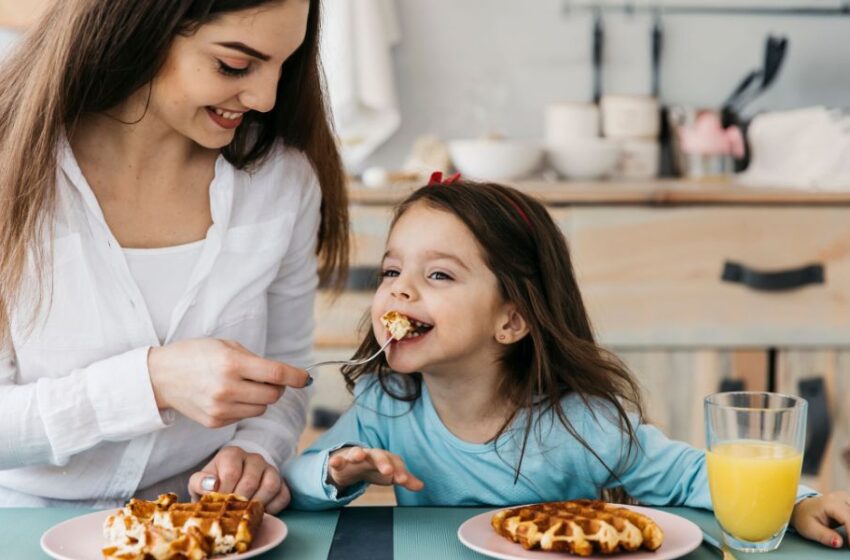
pixel 356 50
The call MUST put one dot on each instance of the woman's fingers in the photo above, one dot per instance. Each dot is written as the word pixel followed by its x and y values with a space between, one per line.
pixel 262 370
pixel 253 471
pixel 205 379
pixel 229 463
pixel 251 392
pixel 202 482
pixel 280 501
pixel 269 486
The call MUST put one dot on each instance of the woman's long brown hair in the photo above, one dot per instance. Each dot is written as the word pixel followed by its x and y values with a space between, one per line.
pixel 86 56
pixel 528 253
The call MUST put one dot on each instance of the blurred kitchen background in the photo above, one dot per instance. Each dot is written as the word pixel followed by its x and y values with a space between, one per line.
pixel 696 154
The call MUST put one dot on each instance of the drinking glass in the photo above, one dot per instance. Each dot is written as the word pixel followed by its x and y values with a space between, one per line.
pixel 755 443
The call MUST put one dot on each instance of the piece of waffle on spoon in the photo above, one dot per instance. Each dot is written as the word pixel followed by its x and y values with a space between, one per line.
pixel 166 529
pixel 581 527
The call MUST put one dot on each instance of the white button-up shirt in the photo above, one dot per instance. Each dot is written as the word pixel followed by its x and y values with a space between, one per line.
pixel 78 419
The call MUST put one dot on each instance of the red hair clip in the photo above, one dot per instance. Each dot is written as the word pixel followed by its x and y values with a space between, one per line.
pixel 437 179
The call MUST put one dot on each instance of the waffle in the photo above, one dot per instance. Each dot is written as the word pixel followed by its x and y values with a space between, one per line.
pixel 580 527
pixel 398 325
pixel 170 530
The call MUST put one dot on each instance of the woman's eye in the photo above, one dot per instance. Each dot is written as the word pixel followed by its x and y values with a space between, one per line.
pixel 439 276
pixel 231 71
pixel 389 273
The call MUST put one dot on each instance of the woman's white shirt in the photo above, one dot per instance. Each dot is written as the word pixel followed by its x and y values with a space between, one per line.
pixel 162 276
pixel 78 420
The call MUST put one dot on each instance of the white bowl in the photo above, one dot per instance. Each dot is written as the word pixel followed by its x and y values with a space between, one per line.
pixel 585 159
pixel 494 160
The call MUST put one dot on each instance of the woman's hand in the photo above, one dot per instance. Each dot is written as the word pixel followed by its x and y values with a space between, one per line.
pixel 218 382
pixel 351 465
pixel 246 474
pixel 815 517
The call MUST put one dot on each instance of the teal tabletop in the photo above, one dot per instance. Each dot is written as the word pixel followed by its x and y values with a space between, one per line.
pixel 373 533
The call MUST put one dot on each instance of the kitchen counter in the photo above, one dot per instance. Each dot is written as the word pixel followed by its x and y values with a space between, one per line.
pixel 656 192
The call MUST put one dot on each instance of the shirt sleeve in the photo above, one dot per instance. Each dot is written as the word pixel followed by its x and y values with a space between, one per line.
pixel 291 296
pixel 307 474
pixel 660 471
pixel 55 418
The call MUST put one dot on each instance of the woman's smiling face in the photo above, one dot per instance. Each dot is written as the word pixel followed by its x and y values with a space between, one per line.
pixel 229 66
pixel 433 272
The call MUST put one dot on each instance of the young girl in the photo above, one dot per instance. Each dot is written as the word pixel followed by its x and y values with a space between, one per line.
pixel 501 395
pixel 170 193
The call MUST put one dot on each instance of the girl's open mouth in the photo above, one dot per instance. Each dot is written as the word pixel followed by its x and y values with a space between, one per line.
pixel 418 328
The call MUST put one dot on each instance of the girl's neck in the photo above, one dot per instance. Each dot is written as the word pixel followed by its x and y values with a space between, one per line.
pixel 469 405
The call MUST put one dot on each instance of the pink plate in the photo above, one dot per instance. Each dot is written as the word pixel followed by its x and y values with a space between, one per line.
pixel 81 538
pixel 680 537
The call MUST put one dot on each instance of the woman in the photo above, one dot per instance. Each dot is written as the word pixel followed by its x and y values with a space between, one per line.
pixel 168 185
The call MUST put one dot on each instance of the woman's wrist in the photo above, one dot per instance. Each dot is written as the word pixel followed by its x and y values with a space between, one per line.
pixel 154 370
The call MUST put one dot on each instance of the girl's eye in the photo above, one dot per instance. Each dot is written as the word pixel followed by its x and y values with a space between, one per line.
pixel 439 276
pixel 231 71
pixel 389 273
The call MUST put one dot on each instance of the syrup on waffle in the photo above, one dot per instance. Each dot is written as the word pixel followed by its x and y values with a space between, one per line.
pixel 580 527
pixel 170 530
pixel 398 325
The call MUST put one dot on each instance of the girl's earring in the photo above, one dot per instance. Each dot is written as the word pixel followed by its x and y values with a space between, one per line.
pixel 501 337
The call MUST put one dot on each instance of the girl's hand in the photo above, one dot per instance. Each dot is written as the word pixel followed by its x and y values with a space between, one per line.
pixel 815 517
pixel 351 465
pixel 246 474
pixel 217 382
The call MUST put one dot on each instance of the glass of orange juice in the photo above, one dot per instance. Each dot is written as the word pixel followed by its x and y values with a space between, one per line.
pixel 755 443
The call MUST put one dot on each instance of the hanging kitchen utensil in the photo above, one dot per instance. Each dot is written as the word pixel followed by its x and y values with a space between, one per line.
pixel 597 53
pixel 666 162
pixel 774 54
pixel 756 82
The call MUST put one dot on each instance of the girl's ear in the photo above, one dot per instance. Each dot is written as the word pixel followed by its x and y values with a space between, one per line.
pixel 512 327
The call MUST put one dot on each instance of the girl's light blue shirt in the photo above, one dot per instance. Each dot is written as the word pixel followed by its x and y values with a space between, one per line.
pixel 556 466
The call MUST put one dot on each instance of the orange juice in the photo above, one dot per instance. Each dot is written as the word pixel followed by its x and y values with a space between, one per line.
pixel 753 486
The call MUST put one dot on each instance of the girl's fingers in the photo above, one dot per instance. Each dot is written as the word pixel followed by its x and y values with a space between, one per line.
pixel 344 456
pixel 838 510
pixel 404 477
pixel 400 474
pixel 381 461
pixel 355 454
pixel 387 468
pixel 413 484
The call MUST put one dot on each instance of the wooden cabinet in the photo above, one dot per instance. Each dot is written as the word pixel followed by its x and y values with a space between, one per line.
pixel 651 260
pixel 803 371
pixel 654 275
pixel 675 383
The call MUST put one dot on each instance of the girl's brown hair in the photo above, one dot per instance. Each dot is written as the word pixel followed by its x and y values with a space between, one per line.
pixel 527 252
pixel 86 56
